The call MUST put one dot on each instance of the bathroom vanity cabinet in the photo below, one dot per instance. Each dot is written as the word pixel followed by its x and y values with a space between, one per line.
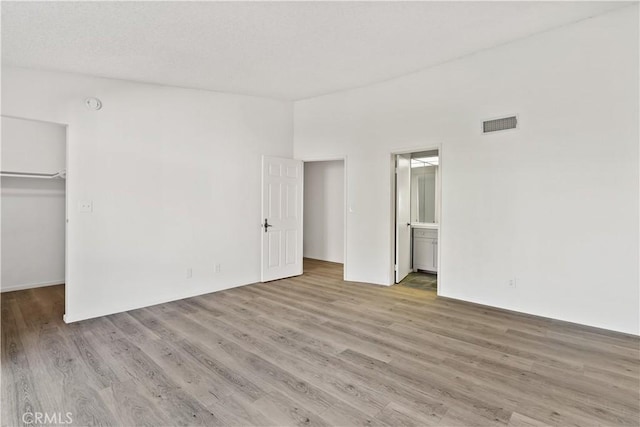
pixel 425 249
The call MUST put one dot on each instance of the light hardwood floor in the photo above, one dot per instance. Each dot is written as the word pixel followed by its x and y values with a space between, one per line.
pixel 313 350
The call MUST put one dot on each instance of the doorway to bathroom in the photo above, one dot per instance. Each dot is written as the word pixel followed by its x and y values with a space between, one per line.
pixel 417 219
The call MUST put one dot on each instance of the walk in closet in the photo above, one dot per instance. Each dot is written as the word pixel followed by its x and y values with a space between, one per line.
pixel 33 164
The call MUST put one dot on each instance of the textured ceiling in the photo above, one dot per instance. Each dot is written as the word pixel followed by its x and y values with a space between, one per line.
pixel 282 50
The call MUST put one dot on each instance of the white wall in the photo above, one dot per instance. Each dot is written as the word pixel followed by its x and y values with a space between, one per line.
pixel 554 204
pixel 324 210
pixel 174 177
pixel 33 210
pixel 32 146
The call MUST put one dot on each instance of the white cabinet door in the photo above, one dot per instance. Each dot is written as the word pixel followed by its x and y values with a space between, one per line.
pixel 425 253
pixel 435 255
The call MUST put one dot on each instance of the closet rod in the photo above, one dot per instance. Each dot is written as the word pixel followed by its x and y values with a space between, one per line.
pixel 60 174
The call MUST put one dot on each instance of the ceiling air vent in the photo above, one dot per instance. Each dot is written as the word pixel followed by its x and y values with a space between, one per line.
pixel 496 125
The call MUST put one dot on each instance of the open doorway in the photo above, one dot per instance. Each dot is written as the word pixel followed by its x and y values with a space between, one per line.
pixel 417 218
pixel 33 231
pixel 324 216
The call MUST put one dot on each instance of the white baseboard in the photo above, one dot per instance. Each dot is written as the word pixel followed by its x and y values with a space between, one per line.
pixel 321 258
pixel 151 302
pixel 30 286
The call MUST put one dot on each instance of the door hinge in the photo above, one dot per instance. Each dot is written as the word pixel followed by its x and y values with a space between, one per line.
pixel 395 267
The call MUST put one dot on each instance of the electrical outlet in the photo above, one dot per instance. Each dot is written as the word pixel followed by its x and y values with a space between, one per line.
pixel 189 273
pixel 85 206
pixel 217 268
pixel 512 283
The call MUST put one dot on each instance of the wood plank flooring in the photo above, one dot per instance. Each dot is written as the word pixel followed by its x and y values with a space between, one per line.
pixel 313 350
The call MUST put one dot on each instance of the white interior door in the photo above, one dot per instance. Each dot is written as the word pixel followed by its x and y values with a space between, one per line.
pixel 282 186
pixel 403 216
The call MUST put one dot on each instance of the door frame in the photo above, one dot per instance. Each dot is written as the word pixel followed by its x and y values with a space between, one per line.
pixel 392 209
pixel 344 204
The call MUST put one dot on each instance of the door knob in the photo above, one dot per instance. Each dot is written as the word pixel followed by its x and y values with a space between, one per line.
pixel 266 225
pixel 408 224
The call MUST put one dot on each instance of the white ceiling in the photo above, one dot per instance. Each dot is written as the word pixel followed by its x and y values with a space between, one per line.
pixel 282 50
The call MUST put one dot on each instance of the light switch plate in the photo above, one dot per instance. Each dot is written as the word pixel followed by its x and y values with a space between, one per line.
pixel 85 206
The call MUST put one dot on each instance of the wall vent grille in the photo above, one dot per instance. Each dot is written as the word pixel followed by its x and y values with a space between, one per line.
pixel 496 125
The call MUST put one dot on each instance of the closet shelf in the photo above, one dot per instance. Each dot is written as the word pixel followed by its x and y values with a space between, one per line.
pixel 58 175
